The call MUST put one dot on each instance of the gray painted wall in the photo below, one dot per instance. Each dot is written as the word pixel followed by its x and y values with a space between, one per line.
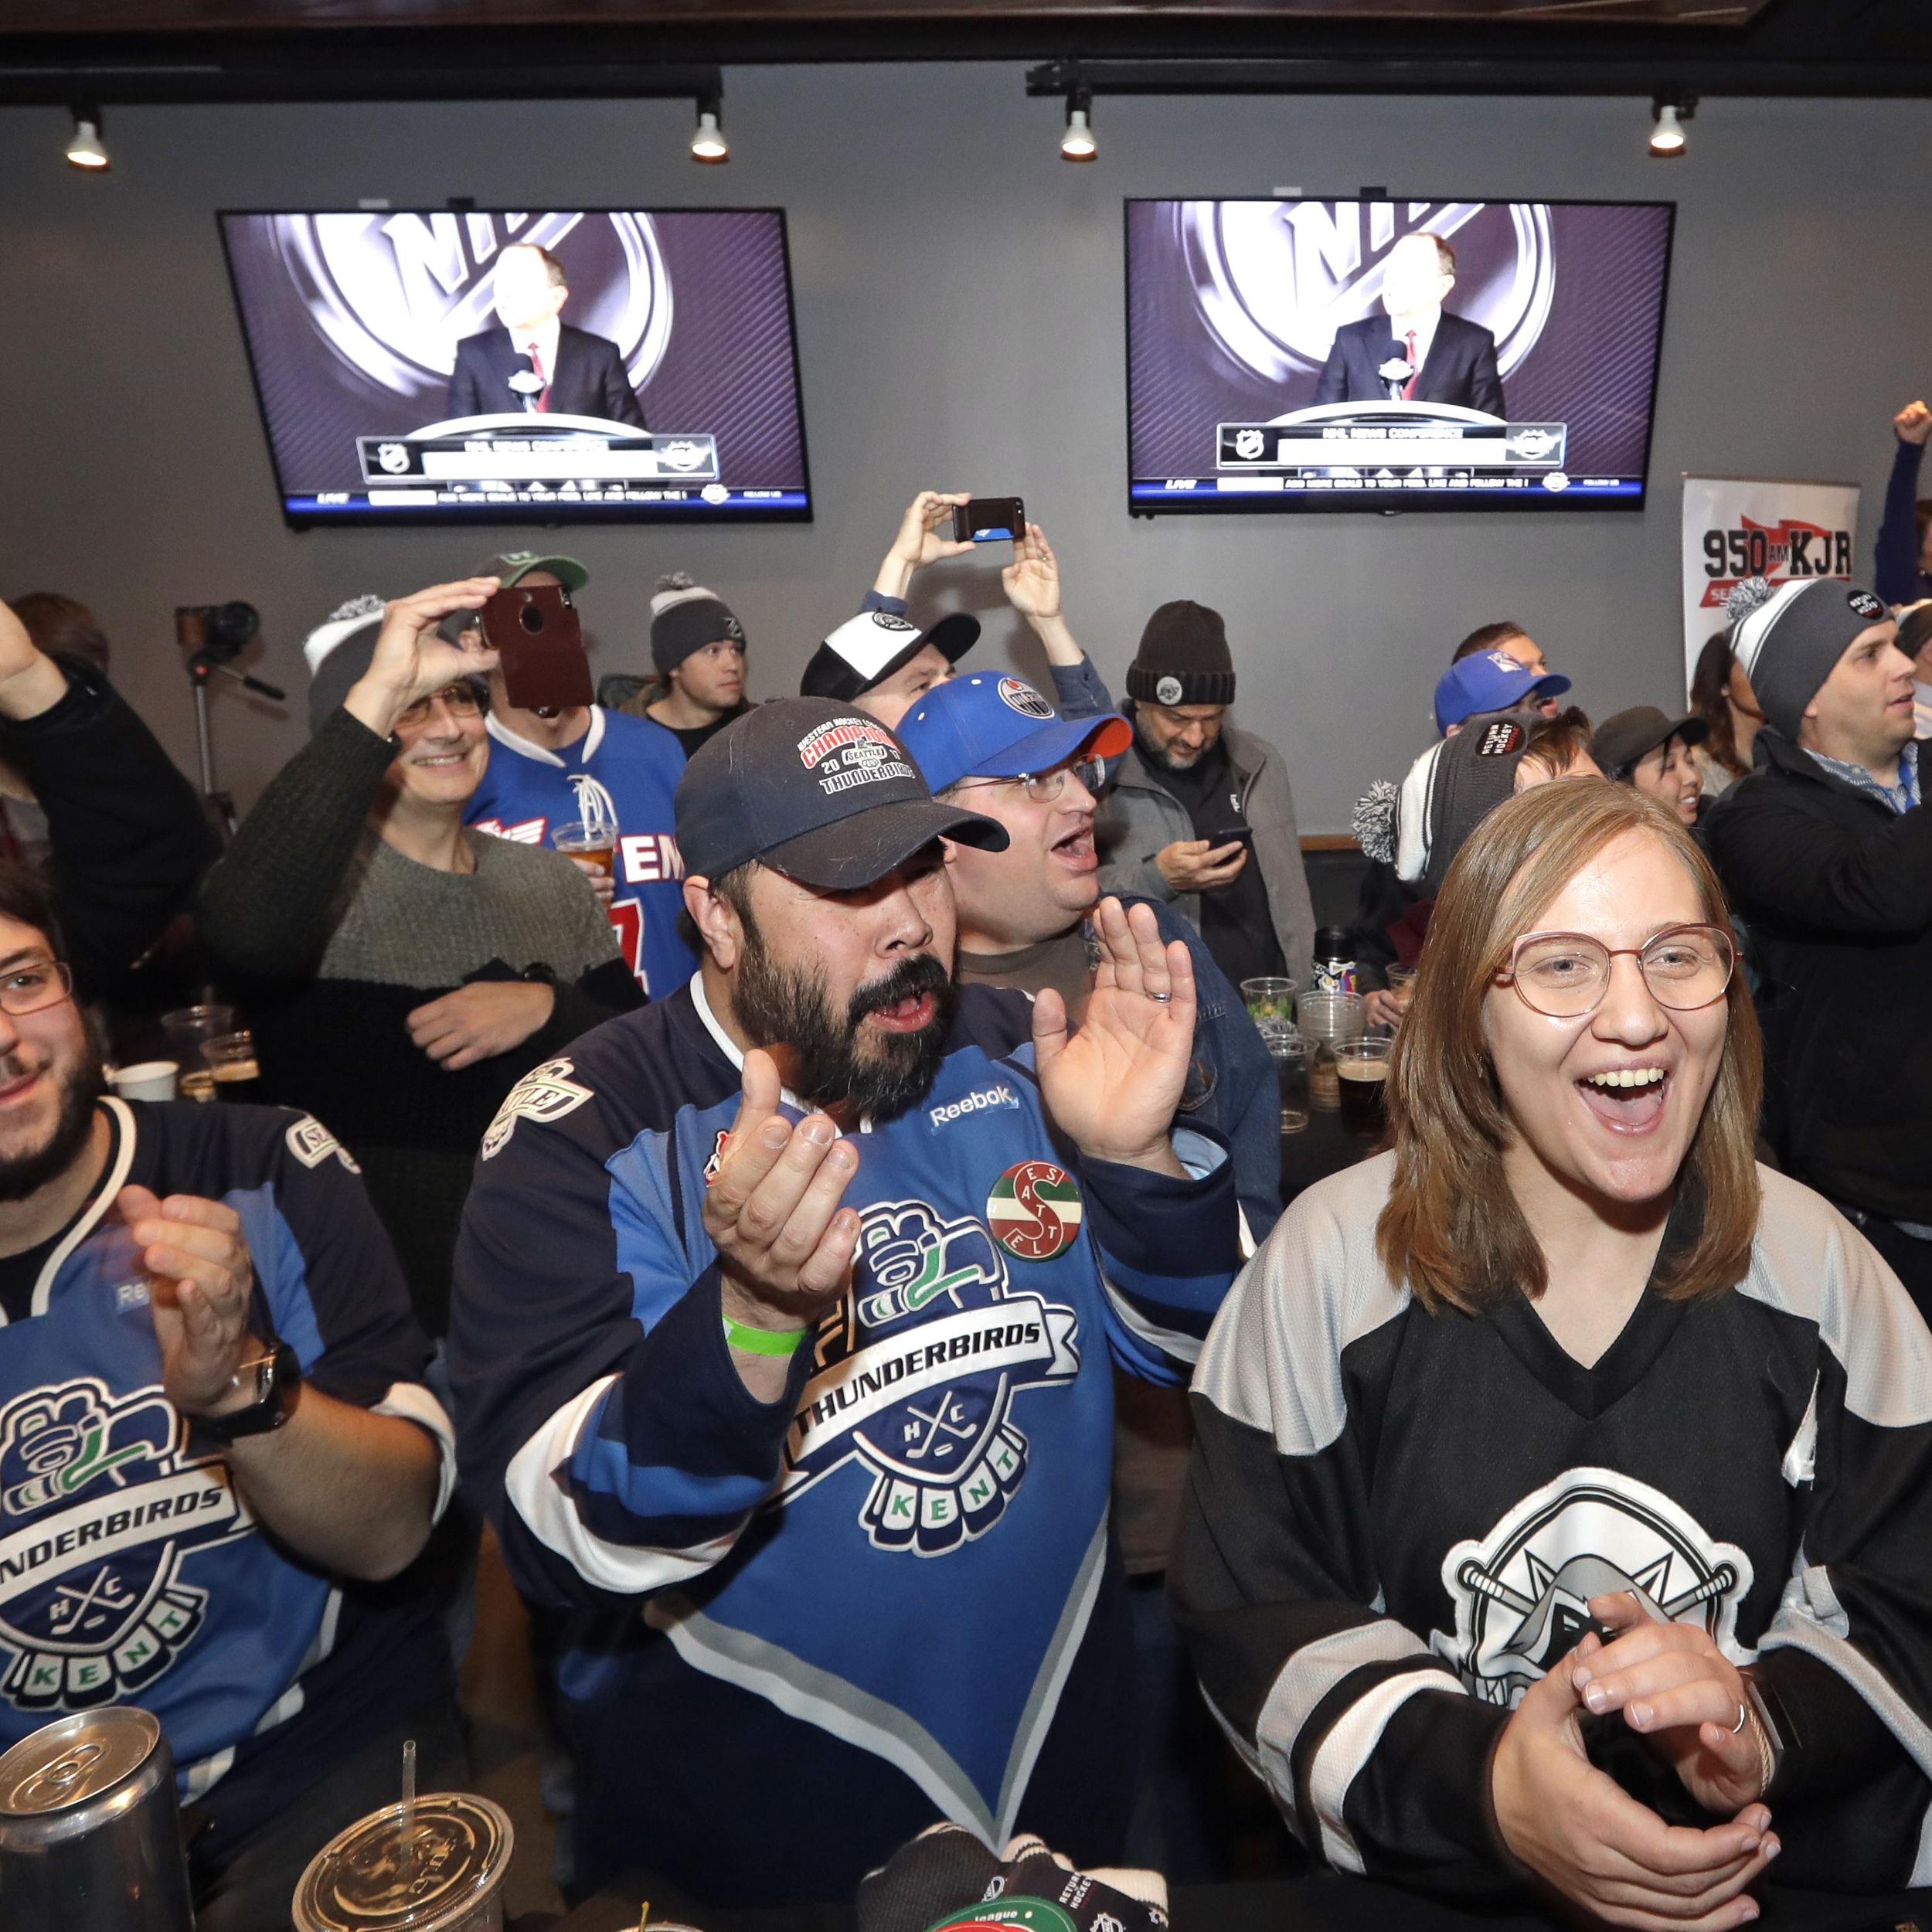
pixel 959 318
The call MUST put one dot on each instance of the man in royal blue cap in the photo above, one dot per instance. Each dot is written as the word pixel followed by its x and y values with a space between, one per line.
pixel 993 743
pixel 783 1341
pixel 1494 681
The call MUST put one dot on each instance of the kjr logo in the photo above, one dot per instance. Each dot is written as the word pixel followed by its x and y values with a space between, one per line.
pixel 1786 549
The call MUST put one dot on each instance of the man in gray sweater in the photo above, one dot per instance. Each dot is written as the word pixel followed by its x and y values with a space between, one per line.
pixel 1200 814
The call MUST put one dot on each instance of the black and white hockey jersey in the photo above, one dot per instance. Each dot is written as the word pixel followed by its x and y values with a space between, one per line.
pixel 1395 1519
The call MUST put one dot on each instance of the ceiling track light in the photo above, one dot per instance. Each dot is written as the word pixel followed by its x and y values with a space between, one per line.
pixel 86 150
pixel 708 145
pixel 1077 142
pixel 1668 140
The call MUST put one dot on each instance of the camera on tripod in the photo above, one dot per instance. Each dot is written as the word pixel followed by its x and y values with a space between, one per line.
pixel 217 631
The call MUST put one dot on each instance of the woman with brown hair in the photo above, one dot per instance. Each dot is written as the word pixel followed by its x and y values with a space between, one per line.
pixel 1561 1508
pixel 1721 695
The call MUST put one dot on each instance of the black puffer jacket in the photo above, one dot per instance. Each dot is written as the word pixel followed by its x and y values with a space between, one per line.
pixel 1836 892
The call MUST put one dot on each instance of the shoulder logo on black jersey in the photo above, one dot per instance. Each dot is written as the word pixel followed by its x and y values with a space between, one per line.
pixel 99 1504
pixel 311 1144
pixel 914 1375
pixel 544 1094
pixel 1522 1592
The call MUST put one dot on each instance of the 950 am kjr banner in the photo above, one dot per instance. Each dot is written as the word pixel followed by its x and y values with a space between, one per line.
pixel 1736 527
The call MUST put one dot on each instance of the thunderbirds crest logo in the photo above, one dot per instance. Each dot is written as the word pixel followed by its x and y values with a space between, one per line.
pixel 99 1505
pixel 915 1378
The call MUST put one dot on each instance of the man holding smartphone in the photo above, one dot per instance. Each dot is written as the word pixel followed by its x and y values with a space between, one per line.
pixel 1201 814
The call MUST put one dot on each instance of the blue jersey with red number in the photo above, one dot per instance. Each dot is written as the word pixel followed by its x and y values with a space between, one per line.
pixel 623 768
pixel 895 1587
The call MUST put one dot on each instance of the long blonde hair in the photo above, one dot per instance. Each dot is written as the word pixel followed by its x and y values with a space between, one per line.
pixel 1451 1227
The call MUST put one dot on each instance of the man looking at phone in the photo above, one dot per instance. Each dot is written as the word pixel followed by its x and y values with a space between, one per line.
pixel 884 665
pixel 1199 814
pixel 601 776
pixel 782 1344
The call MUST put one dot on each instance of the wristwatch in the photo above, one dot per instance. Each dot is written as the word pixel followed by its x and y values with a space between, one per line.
pixel 277 1377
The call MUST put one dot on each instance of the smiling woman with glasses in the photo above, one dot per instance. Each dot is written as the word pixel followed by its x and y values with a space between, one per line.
pixel 1561 1512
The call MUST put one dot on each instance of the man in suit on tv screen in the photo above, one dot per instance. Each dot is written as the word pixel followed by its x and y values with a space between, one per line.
pixel 1441 358
pixel 566 371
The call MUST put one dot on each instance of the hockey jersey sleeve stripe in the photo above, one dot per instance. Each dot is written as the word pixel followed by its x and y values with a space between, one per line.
pixel 1173 1245
pixel 1799 1625
pixel 548 1510
pixel 1349 1743
pixel 413 1402
pixel 1160 1346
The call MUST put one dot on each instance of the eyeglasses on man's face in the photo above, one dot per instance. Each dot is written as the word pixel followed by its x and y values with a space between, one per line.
pixel 1566 975
pixel 459 700
pixel 33 984
pixel 1044 787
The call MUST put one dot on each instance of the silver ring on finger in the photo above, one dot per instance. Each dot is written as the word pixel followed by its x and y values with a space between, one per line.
pixel 1743 1718
pixel 1163 997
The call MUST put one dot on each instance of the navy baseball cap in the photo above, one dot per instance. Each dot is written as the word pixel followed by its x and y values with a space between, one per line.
pixel 867 649
pixel 820 792
pixel 990 726
pixel 1491 681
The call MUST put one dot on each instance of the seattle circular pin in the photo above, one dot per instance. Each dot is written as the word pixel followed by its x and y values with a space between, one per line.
pixel 1034 1210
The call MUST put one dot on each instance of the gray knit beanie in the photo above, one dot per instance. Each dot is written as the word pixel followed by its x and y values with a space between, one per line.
pixel 1789 639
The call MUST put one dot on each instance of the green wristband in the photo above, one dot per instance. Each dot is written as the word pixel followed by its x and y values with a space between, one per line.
pixel 764 1341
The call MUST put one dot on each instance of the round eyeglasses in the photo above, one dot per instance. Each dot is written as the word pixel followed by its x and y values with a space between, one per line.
pixel 1566 974
pixel 1043 787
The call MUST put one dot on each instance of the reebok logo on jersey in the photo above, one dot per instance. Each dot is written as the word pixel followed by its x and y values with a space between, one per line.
pixel 973 1103
pixel 544 1094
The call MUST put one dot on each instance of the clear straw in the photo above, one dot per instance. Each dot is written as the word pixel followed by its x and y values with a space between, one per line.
pixel 408 1804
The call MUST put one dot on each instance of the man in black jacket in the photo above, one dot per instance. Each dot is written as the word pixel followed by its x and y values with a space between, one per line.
pixel 1826 852
pixel 531 360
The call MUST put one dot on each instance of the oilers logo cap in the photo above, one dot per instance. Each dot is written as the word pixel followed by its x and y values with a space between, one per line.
pixel 992 725
pixel 821 793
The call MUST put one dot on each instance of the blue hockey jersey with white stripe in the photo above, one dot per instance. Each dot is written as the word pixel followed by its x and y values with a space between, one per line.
pixel 131 1568
pixel 623 768
pixel 896 1585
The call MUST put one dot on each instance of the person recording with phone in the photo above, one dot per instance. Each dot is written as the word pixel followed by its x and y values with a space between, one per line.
pixel 1199 814
pixel 533 361
pixel 402 972
pixel 883 664
pixel 596 783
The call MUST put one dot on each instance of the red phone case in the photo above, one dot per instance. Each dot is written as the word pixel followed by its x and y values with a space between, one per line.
pixel 539 638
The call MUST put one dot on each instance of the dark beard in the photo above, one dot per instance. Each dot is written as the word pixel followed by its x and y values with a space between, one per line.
pixel 26 1174
pixel 881 1074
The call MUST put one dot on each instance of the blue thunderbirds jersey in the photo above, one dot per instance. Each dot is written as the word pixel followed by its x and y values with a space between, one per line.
pixel 885 1581
pixel 623 768
pixel 131 1568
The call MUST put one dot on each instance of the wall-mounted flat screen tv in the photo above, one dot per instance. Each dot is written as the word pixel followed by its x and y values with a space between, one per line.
pixel 1392 354
pixel 468 365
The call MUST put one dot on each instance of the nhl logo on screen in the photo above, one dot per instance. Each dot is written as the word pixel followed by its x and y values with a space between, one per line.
pixel 392 294
pixel 1273 280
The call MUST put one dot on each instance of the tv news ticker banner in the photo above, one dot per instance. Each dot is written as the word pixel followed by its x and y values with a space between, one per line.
pixel 1736 527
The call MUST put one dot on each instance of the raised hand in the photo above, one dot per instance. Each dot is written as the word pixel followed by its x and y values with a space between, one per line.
pixel 1113 1087
pixel 1033 580
pixel 411 661
pixel 200 1277
pixel 1675 1687
pixel 1913 424
pixel 30 682
pixel 773 1212
pixel 919 541
pixel 1580 1832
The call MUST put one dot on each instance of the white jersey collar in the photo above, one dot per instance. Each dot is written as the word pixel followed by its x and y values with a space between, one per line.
pixel 525 748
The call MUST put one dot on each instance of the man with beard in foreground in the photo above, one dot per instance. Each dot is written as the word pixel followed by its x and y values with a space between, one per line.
pixel 215 1448
pixel 782 1346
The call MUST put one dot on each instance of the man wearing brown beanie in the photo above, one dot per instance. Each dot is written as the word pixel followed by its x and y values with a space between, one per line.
pixel 1200 814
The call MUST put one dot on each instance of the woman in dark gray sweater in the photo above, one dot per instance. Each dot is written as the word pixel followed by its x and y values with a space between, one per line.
pixel 401 973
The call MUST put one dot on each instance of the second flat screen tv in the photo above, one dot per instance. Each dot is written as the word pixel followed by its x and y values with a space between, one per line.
pixel 1392 354
pixel 468 365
